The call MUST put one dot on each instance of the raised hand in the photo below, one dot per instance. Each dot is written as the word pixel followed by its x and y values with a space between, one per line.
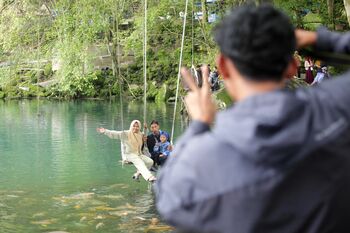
pixel 198 100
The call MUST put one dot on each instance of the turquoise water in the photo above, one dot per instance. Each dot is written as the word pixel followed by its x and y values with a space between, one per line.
pixel 58 174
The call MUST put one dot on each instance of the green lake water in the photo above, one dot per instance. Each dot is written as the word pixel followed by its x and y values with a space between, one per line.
pixel 58 174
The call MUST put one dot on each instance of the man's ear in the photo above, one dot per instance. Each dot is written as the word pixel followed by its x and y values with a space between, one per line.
pixel 221 62
pixel 292 69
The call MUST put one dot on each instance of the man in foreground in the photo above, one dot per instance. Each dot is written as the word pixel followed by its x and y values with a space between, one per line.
pixel 276 161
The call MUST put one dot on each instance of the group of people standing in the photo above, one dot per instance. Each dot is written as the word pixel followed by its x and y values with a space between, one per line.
pixel 321 71
pixel 213 77
pixel 144 152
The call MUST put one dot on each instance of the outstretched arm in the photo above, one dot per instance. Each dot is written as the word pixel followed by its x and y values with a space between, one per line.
pixel 110 133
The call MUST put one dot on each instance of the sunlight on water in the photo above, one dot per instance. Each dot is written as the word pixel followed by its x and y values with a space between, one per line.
pixel 58 175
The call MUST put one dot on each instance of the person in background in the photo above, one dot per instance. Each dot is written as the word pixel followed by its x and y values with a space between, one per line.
pixel 322 75
pixel 214 80
pixel 318 64
pixel 199 76
pixel 309 67
pixel 298 59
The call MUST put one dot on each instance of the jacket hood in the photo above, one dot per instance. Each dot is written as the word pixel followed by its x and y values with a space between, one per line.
pixel 266 128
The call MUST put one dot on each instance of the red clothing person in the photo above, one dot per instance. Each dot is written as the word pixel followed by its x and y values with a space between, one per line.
pixel 308 64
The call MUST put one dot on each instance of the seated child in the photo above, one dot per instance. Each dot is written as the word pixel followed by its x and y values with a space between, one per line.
pixel 162 148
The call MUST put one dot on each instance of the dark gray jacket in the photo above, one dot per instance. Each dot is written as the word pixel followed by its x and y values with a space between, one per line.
pixel 275 162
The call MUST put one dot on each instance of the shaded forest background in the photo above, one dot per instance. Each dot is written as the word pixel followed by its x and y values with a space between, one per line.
pixel 88 48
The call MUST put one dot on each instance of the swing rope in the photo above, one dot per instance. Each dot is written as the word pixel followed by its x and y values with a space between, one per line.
pixel 192 47
pixel 179 72
pixel 122 146
pixel 145 66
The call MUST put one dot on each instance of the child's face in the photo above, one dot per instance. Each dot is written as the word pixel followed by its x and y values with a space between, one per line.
pixel 162 138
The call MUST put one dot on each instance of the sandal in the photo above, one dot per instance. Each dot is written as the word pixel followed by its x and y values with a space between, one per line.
pixel 136 176
pixel 152 179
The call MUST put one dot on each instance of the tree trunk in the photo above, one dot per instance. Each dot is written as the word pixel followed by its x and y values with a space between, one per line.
pixel 113 52
pixel 330 5
pixel 205 12
pixel 347 9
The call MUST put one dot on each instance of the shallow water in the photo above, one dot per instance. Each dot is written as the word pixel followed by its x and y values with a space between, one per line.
pixel 58 174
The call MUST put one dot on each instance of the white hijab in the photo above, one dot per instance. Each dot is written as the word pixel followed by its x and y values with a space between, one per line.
pixel 135 139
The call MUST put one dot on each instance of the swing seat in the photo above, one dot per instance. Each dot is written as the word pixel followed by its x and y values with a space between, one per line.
pixel 124 160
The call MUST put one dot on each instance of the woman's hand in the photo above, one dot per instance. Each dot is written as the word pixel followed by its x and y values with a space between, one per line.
pixel 101 130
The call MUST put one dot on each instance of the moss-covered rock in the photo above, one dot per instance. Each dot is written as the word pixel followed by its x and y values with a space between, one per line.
pixel 48 70
pixel 136 90
pixel 163 94
pixel 152 91
pixel 312 21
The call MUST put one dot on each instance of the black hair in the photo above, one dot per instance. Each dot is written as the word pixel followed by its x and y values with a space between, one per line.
pixel 259 40
pixel 154 122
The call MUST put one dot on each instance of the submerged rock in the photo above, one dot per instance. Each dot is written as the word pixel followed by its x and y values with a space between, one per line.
pixel 121 213
pixel 103 208
pixel 58 232
pixel 36 215
pixel 44 222
pixel 162 228
pixel 99 225
pixel 112 196
pixel 99 217
pixel 12 196
pixel 140 218
pixel 79 196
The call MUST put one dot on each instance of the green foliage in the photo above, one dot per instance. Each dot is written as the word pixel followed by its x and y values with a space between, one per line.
pixel 311 14
pixel 295 83
pixel 48 70
pixel 35 32
pixel 223 96
pixel 163 94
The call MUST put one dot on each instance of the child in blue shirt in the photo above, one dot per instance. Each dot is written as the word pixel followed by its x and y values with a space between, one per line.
pixel 162 148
